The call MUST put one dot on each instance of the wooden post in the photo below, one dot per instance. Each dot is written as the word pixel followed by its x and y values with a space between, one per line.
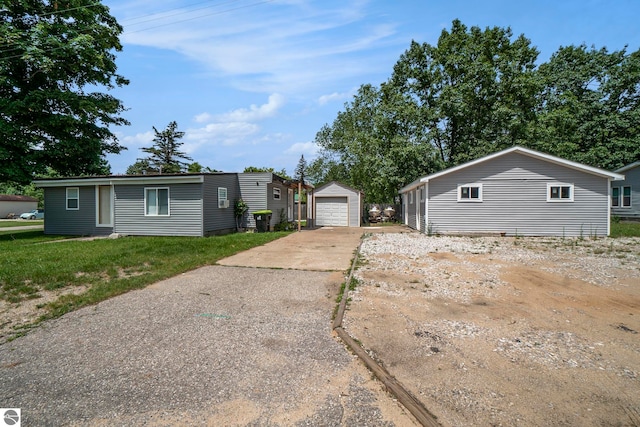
pixel 299 204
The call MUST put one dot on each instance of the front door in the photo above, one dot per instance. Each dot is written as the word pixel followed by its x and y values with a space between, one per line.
pixel 104 206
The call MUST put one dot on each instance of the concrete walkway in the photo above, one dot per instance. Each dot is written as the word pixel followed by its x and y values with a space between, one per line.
pixel 220 345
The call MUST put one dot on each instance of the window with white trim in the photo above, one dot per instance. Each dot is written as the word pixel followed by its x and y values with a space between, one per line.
pixel 156 201
pixel 410 197
pixel 73 198
pixel 626 196
pixel 470 193
pixel 559 192
pixel 223 201
pixel 615 197
pixel 276 193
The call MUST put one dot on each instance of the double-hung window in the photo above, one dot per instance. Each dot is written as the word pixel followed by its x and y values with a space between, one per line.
pixel 559 192
pixel 156 201
pixel 223 201
pixel 615 197
pixel 276 193
pixel 626 196
pixel 621 197
pixel 73 198
pixel 470 193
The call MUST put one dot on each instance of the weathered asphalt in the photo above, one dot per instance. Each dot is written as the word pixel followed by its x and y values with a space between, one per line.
pixel 221 345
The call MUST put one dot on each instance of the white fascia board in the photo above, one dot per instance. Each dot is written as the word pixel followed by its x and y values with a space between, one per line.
pixel 412 186
pixel 531 153
pixel 115 180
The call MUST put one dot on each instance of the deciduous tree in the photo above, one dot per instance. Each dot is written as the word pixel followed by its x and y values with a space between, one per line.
pixel 53 56
pixel 590 106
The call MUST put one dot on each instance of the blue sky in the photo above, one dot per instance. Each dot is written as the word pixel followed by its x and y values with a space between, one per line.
pixel 250 82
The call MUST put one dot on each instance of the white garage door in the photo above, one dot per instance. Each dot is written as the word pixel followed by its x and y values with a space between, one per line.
pixel 332 211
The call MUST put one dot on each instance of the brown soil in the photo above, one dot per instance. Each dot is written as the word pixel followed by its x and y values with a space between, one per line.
pixel 548 339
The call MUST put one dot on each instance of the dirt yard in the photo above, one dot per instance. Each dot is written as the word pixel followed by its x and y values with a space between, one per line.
pixel 505 331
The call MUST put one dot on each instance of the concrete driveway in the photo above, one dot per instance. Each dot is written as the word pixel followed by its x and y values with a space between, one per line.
pixel 323 249
pixel 221 345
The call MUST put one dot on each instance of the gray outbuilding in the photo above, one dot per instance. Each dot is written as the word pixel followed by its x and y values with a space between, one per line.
pixel 336 204
pixel 513 192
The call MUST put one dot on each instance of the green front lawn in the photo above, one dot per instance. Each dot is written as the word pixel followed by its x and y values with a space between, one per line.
pixel 32 262
pixel 625 229
pixel 20 223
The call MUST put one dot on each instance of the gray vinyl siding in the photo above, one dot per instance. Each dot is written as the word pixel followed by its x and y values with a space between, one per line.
pixel 514 200
pixel 278 207
pixel 631 178
pixel 215 219
pixel 185 209
pixel 80 222
pixel 354 201
pixel 253 189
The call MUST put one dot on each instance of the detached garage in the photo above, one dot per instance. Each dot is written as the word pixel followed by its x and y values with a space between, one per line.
pixel 337 205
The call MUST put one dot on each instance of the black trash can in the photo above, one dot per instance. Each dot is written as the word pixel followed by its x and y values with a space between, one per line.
pixel 263 219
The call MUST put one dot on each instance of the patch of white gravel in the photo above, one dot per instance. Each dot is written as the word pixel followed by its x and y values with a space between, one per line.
pixel 597 261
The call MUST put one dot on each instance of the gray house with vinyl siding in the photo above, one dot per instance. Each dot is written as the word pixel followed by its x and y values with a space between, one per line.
pixel 625 194
pixel 517 191
pixel 143 205
pixel 266 190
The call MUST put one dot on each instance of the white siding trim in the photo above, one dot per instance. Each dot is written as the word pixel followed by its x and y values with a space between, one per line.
pixel 560 199
pixel 469 199
pixel 146 189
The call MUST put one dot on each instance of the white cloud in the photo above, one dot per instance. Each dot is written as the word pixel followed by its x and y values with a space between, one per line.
pixel 254 112
pixel 137 140
pixel 231 133
pixel 284 47
pixel 335 96
pixel 309 148
pixel 202 118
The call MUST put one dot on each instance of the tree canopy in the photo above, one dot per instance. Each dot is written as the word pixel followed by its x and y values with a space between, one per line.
pixel 476 92
pixel 282 173
pixel 589 108
pixel 52 56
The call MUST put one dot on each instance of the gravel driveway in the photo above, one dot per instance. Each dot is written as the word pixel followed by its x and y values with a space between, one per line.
pixel 220 345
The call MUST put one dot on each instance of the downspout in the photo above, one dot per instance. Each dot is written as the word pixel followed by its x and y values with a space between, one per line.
pixel 609 181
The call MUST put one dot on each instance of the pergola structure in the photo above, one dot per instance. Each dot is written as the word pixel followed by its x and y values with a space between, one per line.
pixel 298 185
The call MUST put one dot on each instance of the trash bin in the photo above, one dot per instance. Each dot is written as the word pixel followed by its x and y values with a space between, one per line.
pixel 263 220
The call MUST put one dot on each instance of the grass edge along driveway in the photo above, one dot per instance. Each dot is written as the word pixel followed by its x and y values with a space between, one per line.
pixel 105 267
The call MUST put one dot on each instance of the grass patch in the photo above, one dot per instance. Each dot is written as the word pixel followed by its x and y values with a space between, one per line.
pixel 20 223
pixel 108 267
pixel 625 229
